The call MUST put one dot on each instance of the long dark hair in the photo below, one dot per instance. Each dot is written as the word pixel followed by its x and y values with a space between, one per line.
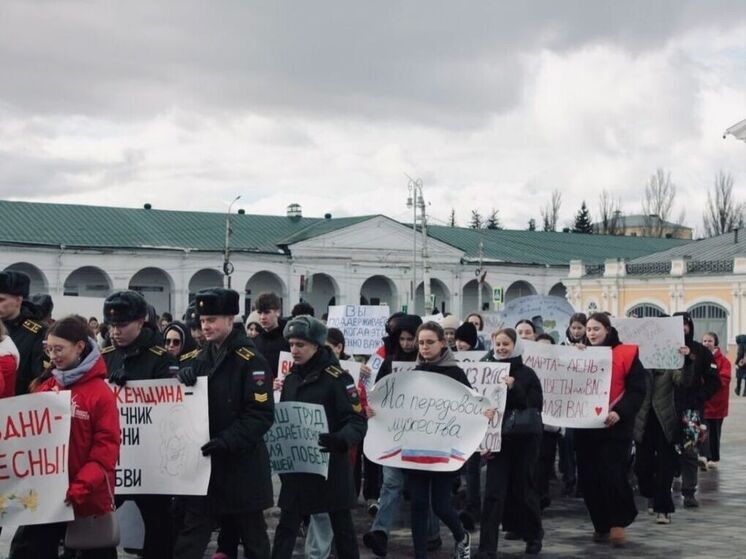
pixel 74 329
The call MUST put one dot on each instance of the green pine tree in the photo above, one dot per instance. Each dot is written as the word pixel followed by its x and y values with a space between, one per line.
pixel 583 222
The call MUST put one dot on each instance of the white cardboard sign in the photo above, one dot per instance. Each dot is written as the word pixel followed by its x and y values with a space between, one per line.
pixel 34 449
pixel 163 424
pixel 424 421
pixel 576 383
pixel 362 325
pixel 489 380
pixel 659 339
pixel 292 441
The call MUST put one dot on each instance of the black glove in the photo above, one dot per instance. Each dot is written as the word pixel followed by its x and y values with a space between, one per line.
pixel 330 442
pixel 213 446
pixel 118 377
pixel 187 376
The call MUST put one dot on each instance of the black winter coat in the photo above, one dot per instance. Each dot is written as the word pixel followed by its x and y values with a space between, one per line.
pixel 700 379
pixel 321 381
pixel 241 410
pixel 28 334
pixel 143 359
pixel 270 344
pixel 397 355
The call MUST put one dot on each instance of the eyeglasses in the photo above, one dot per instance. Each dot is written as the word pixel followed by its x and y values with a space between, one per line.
pixel 173 341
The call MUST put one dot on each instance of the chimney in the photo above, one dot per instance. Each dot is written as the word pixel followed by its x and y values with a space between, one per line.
pixel 294 211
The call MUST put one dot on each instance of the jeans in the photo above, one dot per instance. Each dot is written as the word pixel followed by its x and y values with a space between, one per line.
pixel 390 502
pixel 342 526
pixel 432 488
pixel 320 536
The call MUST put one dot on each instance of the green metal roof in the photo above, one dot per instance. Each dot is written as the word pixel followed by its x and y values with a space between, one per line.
pixel 547 248
pixel 30 223
pixel 723 247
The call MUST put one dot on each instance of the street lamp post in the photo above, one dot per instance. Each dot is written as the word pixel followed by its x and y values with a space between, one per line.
pixel 416 201
pixel 227 265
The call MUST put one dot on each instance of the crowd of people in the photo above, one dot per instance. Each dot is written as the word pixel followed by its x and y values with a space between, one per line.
pixel 661 424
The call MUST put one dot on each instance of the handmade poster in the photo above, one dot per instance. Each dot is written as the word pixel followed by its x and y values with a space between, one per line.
pixel 489 380
pixel 549 314
pixel 351 367
pixel 292 441
pixel 576 383
pixel 283 368
pixel 362 325
pixel 403 366
pixel 469 356
pixel 659 339
pixel 34 449
pixel 374 364
pixel 424 421
pixel 163 424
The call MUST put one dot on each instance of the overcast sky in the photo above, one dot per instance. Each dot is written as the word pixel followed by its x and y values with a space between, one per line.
pixel 493 104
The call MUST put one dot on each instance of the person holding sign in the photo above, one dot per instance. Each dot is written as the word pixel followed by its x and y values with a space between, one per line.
pixel 136 354
pixel 429 488
pixel 241 411
pixel 270 341
pixel 513 469
pixel 77 365
pixel 316 378
pixel 603 454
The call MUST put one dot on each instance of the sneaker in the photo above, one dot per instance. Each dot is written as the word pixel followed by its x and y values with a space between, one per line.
pixel 434 544
pixel 651 510
pixel 372 507
pixel 463 548
pixel 690 502
pixel 601 537
pixel 377 541
pixel 663 518
pixel 533 547
pixel 617 538
pixel 702 461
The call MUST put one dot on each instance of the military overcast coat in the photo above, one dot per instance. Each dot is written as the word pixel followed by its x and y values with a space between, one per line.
pixel 322 381
pixel 241 408
pixel 143 359
pixel 28 334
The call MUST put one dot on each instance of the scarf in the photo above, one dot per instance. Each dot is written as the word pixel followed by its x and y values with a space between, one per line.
pixel 68 377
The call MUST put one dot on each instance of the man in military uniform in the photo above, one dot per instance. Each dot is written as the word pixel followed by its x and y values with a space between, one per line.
pixel 316 378
pixel 136 355
pixel 26 330
pixel 241 411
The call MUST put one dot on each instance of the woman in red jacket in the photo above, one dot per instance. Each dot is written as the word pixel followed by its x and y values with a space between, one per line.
pixel 716 408
pixel 9 359
pixel 604 453
pixel 77 366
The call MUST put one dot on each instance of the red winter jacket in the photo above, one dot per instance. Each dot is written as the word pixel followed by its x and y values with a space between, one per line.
pixel 717 406
pixel 94 440
pixel 8 367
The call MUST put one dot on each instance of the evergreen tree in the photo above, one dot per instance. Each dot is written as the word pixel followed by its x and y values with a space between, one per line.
pixel 477 221
pixel 532 224
pixel 583 222
pixel 493 221
pixel 452 218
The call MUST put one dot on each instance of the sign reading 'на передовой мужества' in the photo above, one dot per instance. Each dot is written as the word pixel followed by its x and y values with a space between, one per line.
pixel 424 421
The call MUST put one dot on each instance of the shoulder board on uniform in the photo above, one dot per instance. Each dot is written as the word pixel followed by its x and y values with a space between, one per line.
pixel 32 326
pixel 245 353
pixel 108 349
pixel 190 355
pixel 334 371
pixel 158 350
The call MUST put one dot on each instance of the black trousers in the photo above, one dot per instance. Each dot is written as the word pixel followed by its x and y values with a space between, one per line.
pixel 156 516
pixel 545 465
pixel 714 430
pixel 372 478
pixel 344 534
pixel 199 524
pixel 514 468
pixel 655 463
pixel 42 541
pixel 602 473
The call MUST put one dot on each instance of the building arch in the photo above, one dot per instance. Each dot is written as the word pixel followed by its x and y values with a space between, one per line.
pixel 470 297
pixel 320 291
pixel 558 290
pixel 156 286
pixel 710 317
pixel 263 282
pixel 517 289
pixel 442 297
pixel 204 279
pixel 38 281
pixel 87 281
pixel 378 290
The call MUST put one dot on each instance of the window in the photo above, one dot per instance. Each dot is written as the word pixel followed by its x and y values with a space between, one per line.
pixel 646 310
pixel 709 317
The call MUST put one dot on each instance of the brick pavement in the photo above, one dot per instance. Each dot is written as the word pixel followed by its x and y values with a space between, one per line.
pixel 712 531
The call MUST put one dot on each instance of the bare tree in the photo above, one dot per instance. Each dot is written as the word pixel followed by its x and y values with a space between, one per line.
pixel 657 204
pixel 477 221
pixel 452 218
pixel 610 212
pixel 723 213
pixel 550 213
